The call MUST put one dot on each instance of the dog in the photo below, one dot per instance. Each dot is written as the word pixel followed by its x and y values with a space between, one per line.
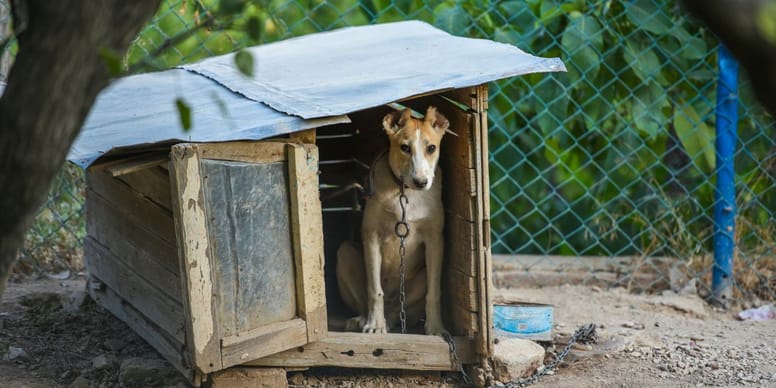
pixel 369 281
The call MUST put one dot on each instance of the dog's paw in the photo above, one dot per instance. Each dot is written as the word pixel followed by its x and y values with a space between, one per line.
pixel 376 326
pixel 355 323
pixel 436 329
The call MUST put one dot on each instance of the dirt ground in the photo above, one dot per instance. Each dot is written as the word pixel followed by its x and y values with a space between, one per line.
pixel 52 335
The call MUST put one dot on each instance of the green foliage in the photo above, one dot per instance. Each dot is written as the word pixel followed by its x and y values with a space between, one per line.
pixel 112 61
pixel 613 157
pixel 244 62
pixel 184 113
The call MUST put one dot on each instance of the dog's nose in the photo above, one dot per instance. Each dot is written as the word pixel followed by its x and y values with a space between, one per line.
pixel 420 183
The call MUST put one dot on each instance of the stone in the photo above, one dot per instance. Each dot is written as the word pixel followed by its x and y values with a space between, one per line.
pixel 15 353
pixel 101 361
pixel 114 344
pixel 646 339
pixel 148 372
pixel 691 304
pixel 80 382
pixel 633 325
pixel 250 377
pixel 516 358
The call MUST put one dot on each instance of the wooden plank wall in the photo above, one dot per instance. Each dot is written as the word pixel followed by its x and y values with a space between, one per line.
pixel 462 196
pixel 131 243
pixel 131 255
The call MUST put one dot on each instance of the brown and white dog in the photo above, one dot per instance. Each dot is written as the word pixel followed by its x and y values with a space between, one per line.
pixel 412 161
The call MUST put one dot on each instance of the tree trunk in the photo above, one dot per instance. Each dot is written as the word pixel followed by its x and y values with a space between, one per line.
pixel 53 83
pixel 735 23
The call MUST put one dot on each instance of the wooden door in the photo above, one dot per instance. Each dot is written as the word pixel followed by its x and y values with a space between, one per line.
pixel 248 223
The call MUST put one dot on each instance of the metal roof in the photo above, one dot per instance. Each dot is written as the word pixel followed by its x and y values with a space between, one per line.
pixel 300 83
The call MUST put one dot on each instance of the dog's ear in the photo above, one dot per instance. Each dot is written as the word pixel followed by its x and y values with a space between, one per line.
pixel 436 120
pixel 394 121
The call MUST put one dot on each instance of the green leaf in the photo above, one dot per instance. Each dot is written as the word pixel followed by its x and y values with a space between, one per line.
pixel 244 62
pixel 507 35
pixel 694 48
pixel 253 28
pixel 647 109
pixel 184 113
pixel 451 18
pixel 549 12
pixel 220 104
pixel 231 7
pixel 696 137
pixel 644 63
pixel 647 15
pixel 112 61
pixel 579 39
pixel 553 100
pixel 766 21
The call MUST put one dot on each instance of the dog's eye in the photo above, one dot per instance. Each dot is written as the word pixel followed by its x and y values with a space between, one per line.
pixel 405 148
pixel 430 149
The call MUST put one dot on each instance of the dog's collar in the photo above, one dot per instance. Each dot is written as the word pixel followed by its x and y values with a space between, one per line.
pixel 372 169
pixel 396 179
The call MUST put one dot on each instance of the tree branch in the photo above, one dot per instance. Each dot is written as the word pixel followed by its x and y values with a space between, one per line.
pixel 735 23
pixel 147 62
pixel 52 85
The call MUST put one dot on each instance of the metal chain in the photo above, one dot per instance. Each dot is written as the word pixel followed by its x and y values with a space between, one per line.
pixel 458 364
pixel 585 334
pixel 402 230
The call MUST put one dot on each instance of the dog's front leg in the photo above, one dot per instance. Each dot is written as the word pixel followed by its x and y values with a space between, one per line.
pixel 375 322
pixel 434 256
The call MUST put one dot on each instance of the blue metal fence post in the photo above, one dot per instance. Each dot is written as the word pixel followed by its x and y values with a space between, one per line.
pixel 725 193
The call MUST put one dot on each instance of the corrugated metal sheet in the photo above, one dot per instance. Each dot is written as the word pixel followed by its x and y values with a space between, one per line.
pixel 140 111
pixel 311 81
pixel 355 68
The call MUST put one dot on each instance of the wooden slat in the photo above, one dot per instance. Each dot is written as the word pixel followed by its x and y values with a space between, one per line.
pixel 160 309
pixel 139 210
pixel 119 158
pixel 107 221
pixel 307 235
pixel 131 244
pixel 244 151
pixel 131 165
pixel 486 303
pixel 466 323
pixel 303 137
pixel 153 183
pixel 381 351
pixel 465 294
pixel 269 339
pixel 460 244
pixel 465 96
pixel 194 251
pixel 484 340
pixel 167 346
pixel 248 377
pixel 460 192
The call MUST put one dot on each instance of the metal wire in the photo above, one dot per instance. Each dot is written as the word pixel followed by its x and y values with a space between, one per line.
pixel 614 158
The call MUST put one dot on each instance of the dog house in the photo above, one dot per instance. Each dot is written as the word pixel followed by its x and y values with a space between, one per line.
pixel 217 245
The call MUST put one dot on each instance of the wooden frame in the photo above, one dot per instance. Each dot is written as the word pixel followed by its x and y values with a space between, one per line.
pixel 210 351
pixel 464 162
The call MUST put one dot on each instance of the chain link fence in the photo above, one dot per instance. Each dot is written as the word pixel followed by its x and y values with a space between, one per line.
pixel 601 175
